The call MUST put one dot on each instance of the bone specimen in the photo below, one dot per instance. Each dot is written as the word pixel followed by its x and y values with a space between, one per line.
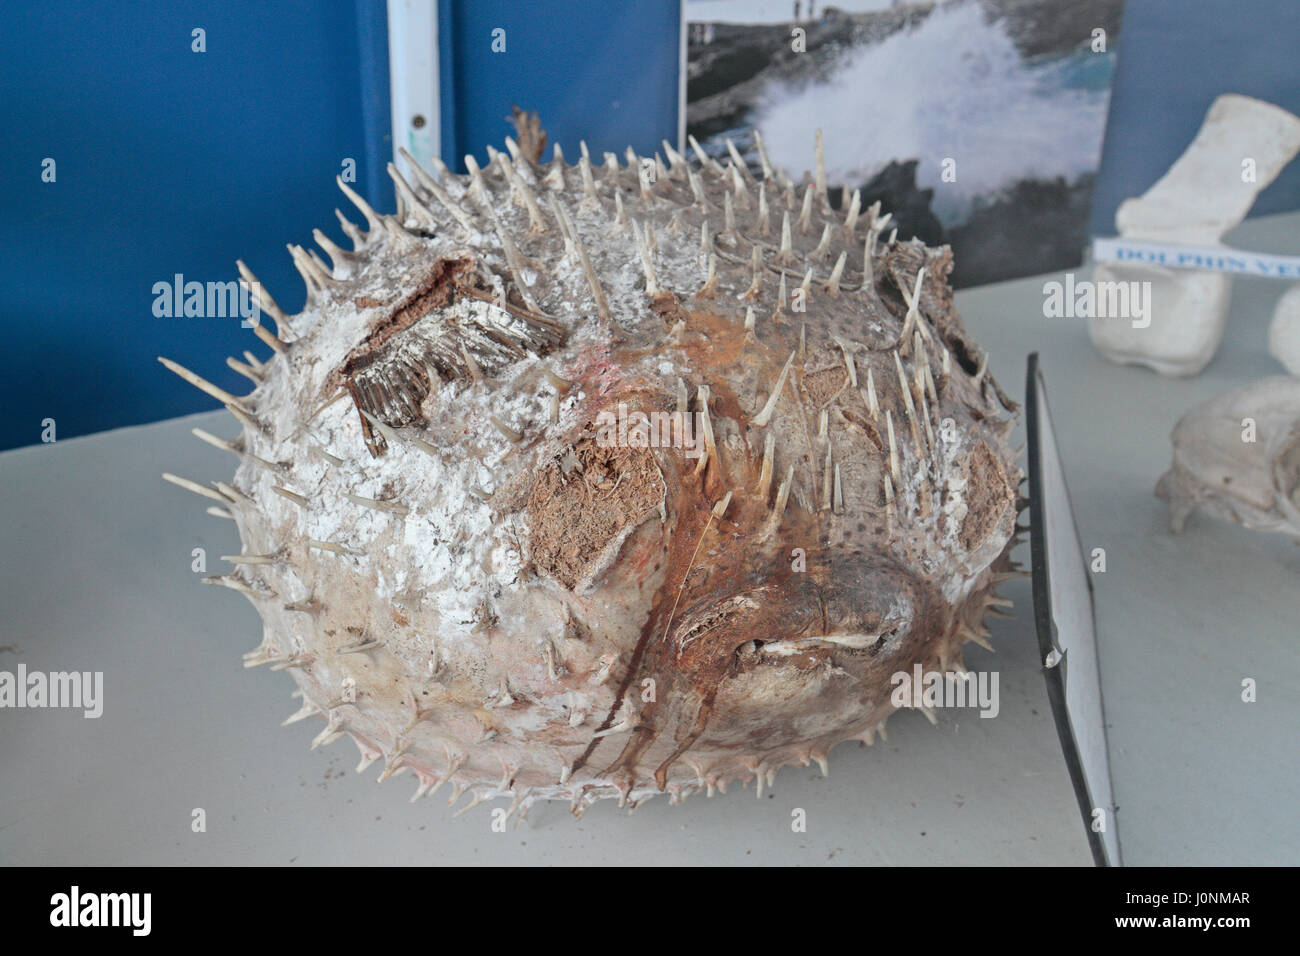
pixel 1241 147
pixel 1237 458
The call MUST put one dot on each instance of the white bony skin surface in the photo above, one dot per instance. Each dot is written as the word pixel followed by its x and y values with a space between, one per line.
pixel 104 583
pixel 1203 195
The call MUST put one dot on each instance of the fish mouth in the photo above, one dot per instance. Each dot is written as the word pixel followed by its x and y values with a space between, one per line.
pixel 891 633
pixel 864 606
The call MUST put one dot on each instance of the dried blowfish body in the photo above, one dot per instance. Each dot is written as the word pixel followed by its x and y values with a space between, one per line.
pixel 472 569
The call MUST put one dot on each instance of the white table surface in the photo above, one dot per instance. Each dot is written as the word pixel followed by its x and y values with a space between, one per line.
pixel 96 576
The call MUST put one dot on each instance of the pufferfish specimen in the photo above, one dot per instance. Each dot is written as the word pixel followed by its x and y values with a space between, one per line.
pixel 472 573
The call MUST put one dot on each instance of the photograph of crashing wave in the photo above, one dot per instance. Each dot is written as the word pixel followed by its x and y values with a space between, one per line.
pixel 976 123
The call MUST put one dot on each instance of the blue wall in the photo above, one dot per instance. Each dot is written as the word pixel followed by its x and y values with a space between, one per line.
pixel 1175 57
pixel 168 161
pixel 601 71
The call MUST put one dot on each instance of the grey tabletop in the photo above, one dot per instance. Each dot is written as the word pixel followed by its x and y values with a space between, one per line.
pixel 97 577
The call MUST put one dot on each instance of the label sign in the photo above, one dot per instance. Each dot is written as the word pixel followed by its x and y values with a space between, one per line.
pixel 1206 258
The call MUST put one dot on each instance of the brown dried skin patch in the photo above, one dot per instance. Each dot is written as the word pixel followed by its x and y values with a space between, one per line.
pixel 712 341
pixel 669 308
pixel 583 503
pixel 824 385
pixel 989 494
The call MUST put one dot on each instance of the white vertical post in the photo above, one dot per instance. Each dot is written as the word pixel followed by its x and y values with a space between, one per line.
pixel 413 79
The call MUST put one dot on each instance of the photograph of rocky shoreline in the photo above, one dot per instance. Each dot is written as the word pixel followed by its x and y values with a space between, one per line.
pixel 976 123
